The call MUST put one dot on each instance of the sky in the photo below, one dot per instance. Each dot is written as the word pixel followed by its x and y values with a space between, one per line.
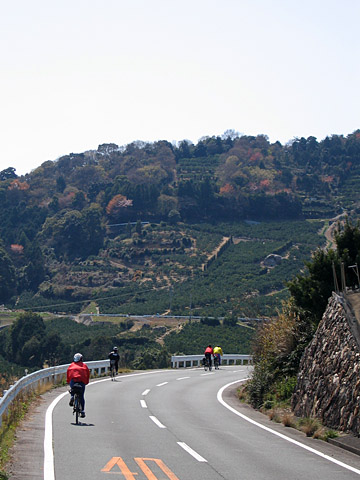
pixel 79 73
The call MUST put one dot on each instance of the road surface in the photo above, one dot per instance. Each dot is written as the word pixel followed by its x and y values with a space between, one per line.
pixel 181 425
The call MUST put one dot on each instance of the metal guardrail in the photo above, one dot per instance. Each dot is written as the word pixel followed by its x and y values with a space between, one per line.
pixel 56 374
pixel 40 377
pixel 185 361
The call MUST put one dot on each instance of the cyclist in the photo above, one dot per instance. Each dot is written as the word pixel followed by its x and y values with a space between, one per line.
pixel 208 352
pixel 78 372
pixel 218 353
pixel 114 358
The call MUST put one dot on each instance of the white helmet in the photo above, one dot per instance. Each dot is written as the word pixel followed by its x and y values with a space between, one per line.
pixel 78 357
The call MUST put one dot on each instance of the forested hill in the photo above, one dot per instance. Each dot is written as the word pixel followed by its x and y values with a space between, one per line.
pixel 65 210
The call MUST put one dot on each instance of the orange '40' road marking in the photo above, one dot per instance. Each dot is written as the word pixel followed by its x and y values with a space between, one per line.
pixel 124 469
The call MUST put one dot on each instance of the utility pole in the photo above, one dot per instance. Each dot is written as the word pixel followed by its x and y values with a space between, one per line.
pixel 343 281
pixel 355 268
pixel 190 308
pixel 171 295
pixel 336 286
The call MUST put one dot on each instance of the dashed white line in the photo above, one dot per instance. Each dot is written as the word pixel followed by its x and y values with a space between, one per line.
pixel 192 452
pixel 143 403
pixel 210 373
pixel 145 392
pixel 182 378
pixel 161 384
pixel 157 422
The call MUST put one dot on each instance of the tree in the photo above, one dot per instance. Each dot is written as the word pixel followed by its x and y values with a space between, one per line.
pixel 311 291
pixel 117 205
pixel 7 173
pixel 27 334
pixel 35 268
pixel 60 184
pixel 174 217
pixel 138 227
pixel 7 276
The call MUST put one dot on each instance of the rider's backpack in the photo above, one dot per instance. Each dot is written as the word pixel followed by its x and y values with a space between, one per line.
pixel 76 388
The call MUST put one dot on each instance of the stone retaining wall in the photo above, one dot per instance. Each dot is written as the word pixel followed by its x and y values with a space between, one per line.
pixel 328 384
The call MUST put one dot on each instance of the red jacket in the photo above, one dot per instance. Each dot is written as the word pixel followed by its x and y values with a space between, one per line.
pixel 209 350
pixel 79 372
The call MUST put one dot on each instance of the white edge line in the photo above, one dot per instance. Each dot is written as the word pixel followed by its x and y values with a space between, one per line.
pixel 143 403
pixel 157 422
pixel 284 437
pixel 192 452
pixel 49 471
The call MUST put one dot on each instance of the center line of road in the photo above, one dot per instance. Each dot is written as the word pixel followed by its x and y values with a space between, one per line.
pixel 145 392
pixel 182 378
pixel 157 422
pixel 143 403
pixel 161 384
pixel 192 452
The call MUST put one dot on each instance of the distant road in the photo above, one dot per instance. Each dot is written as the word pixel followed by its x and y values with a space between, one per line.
pixel 183 425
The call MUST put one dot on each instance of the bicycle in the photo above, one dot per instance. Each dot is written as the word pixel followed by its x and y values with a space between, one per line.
pixel 216 362
pixel 207 364
pixel 112 370
pixel 77 392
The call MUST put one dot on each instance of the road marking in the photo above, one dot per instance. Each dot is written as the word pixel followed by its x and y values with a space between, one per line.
pixel 145 392
pixel 129 475
pixel 210 373
pixel 149 474
pixel 49 472
pixel 192 452
pixel 122 466
pixel 157 422
pixel 161 384
pixel 143 403
pixel 278 434
pixel 182 378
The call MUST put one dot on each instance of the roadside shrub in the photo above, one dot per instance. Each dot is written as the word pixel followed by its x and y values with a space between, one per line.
pixel 259 384
pixel 285 388
pixel 309 426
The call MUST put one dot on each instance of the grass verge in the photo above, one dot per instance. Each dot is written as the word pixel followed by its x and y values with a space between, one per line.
pixel 280 412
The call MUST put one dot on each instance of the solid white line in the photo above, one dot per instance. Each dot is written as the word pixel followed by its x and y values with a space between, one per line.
pixel 161 384
pixel 157 422
pixel 192 452
pixel 145 392
pixel 284 437
pixel 49 473
pixel 143 403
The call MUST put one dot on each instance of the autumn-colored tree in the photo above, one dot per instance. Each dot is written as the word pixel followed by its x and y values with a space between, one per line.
pixel 17 185
pixel 117 204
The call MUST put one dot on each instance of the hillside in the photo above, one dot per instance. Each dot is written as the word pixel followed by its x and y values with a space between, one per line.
pixel 148 228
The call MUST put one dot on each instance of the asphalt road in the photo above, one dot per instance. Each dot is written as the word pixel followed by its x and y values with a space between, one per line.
pixel 182 425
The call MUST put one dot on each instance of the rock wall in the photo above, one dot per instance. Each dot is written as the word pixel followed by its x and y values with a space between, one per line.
pixel 328 384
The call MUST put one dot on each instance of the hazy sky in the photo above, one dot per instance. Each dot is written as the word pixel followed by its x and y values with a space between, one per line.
pixel 79 73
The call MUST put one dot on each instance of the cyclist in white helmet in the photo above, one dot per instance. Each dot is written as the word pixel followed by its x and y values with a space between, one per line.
pixel 78 372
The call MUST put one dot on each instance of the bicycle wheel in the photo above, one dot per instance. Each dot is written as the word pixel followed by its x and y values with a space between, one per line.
pixel 77 408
